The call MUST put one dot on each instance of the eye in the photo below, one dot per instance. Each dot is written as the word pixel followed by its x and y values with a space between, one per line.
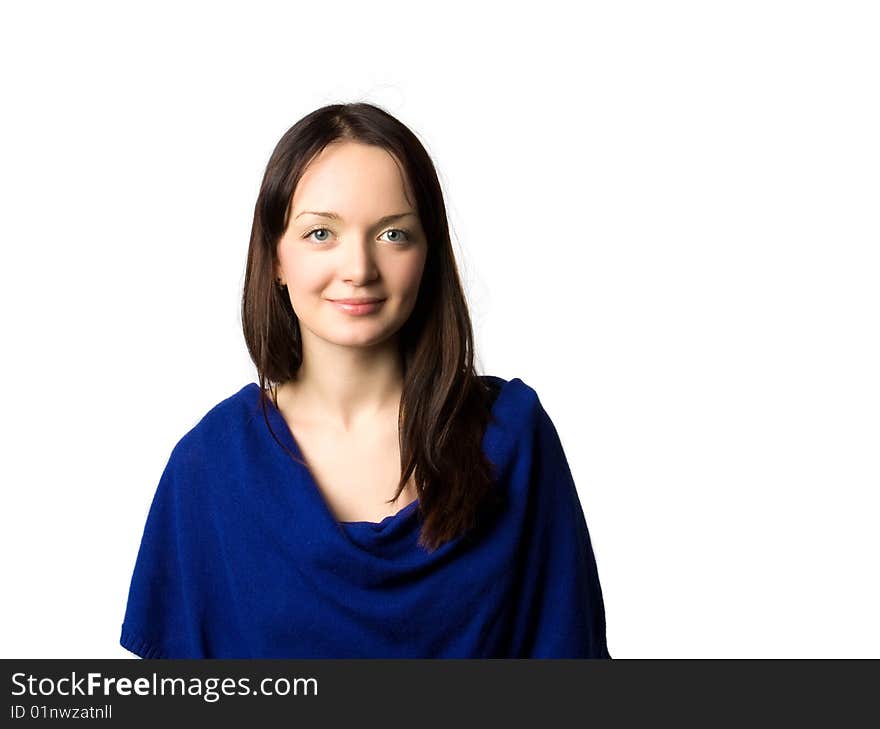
pixel 406 235
pixel 316 230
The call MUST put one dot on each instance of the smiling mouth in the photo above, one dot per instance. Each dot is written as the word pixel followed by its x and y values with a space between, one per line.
pixel 365 300
pixel 359 308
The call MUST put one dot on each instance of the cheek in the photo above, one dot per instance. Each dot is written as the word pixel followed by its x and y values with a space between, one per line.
pixel 408 273
pixel 305 274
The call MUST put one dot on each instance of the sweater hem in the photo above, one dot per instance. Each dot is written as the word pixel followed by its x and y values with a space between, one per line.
pixel 132 641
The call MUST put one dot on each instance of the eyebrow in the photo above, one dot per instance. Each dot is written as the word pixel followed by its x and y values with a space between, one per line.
pixel 337 216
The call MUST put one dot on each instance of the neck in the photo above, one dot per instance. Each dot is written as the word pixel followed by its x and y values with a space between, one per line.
pixel 346 387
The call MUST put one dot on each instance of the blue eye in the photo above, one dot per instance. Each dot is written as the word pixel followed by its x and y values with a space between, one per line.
pixel 316 230
pixel 406 235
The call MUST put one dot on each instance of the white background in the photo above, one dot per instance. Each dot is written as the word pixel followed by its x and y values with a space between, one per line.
pixel 666 216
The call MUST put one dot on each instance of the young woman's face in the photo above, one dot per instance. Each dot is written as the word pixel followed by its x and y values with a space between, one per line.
pixel 355 255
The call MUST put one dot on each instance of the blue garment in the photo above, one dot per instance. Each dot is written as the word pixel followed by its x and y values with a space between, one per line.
pixel 241 556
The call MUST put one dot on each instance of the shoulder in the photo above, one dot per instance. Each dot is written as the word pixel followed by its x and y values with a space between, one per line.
pixel 217 428
pixel 523 443
pixel 516 416
pixel 514 400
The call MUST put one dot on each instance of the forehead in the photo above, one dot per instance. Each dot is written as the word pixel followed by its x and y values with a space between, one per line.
pixel 353 179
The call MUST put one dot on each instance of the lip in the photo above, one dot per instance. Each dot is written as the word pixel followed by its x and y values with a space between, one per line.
pixel 358 307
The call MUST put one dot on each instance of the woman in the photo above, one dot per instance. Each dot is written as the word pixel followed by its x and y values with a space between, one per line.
pixel 372 496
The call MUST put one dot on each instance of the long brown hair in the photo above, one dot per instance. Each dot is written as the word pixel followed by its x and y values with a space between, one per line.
pixel 445 406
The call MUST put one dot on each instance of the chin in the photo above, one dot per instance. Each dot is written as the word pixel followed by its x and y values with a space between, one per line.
pixel 371 338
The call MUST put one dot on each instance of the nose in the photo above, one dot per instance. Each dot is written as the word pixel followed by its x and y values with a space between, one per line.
pixel 359 263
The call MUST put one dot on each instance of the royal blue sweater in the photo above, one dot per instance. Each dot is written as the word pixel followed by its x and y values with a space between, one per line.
pixel 241 556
